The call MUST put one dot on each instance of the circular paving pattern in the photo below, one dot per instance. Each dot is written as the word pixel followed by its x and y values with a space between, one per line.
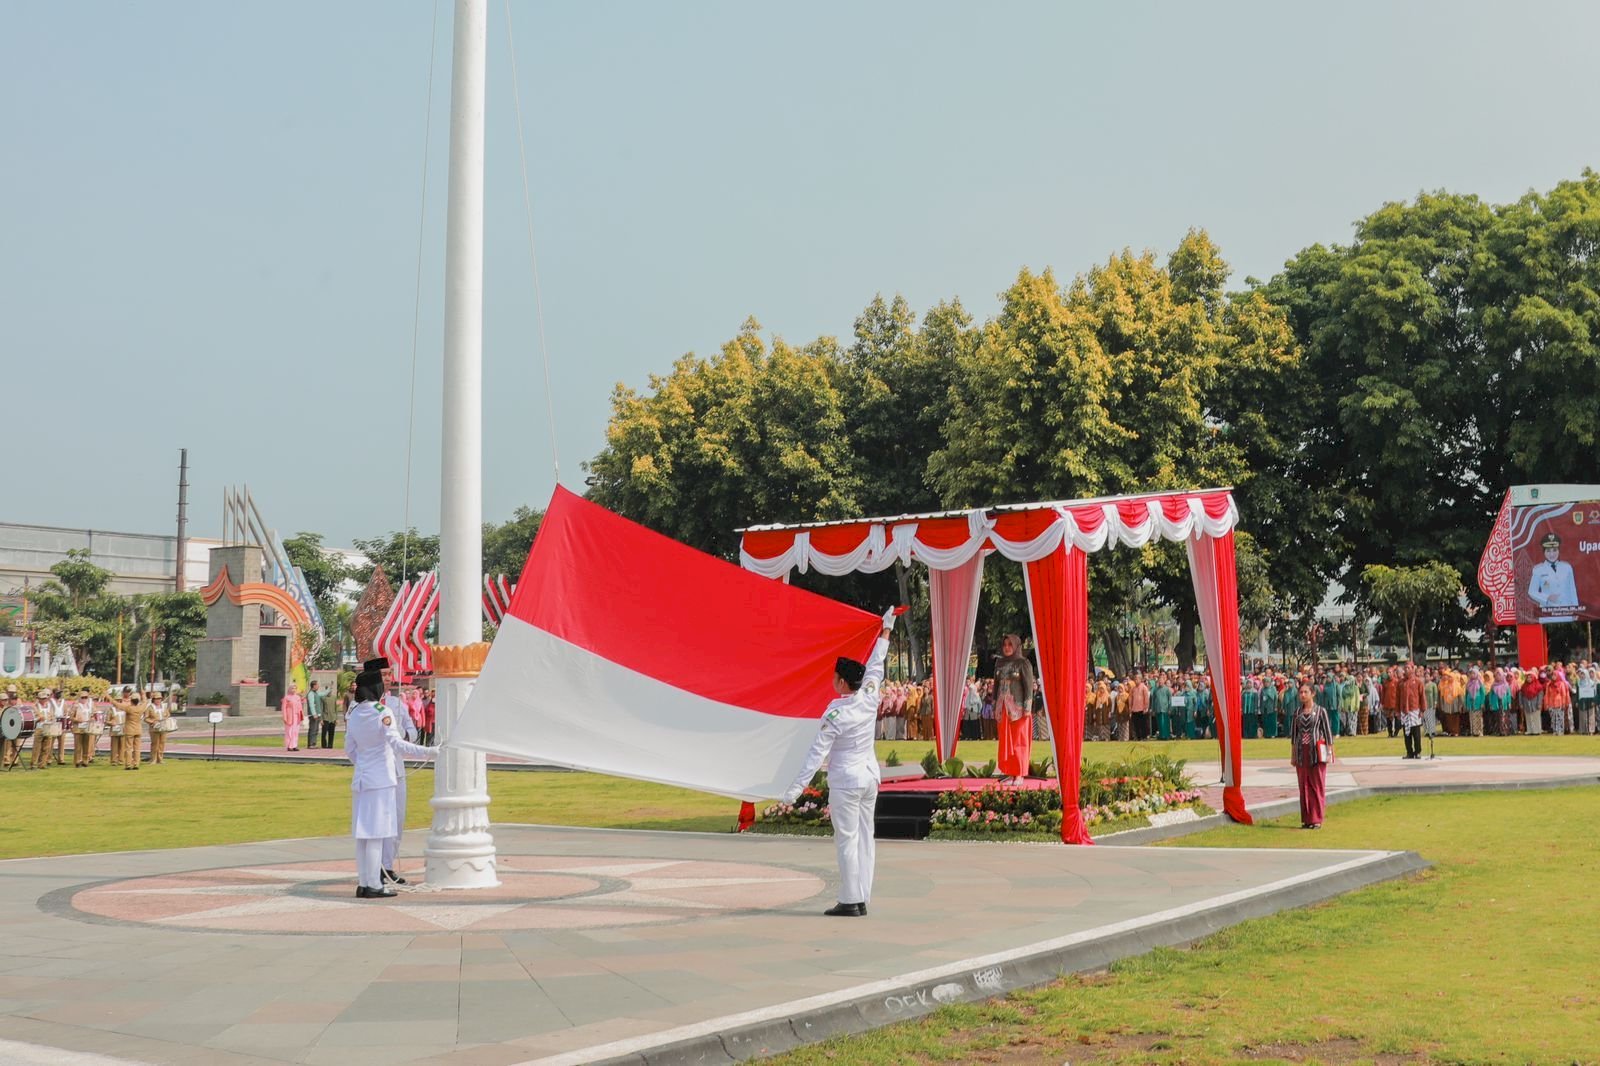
pixel 535 893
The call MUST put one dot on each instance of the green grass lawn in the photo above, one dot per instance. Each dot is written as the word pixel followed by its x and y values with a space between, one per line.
pixel 185 802
pixel 1489 957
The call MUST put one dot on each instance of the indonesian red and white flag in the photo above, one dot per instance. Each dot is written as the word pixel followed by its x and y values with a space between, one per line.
pixel 628 653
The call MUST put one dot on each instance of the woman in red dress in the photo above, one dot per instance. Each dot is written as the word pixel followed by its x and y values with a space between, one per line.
pixel 1013 700
pixel 1311 750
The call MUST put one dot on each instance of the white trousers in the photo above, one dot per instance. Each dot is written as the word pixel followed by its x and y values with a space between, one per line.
pixel 391 846
pixel 369 865
pixel 851 811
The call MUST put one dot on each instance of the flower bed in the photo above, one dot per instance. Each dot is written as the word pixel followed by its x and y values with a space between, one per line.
pixel 807 814
pixel 1127 792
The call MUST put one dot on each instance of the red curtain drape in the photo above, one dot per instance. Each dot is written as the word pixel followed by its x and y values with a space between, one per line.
pixel 1058 600
pixel 1216 593
pixel 1533 647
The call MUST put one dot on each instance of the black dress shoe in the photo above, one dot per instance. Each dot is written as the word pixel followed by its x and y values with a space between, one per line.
pixel 363 892
pixel 846 910
pixel 390 877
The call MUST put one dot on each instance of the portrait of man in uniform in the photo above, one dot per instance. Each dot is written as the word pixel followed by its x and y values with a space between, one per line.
pixel 1551 584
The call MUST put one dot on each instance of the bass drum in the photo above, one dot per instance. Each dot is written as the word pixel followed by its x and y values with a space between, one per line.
pixel 17 723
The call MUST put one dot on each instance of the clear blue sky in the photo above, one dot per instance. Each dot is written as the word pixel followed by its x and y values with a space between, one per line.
pixel 210 211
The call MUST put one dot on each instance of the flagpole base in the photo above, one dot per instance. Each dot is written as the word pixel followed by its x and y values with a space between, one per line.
pixel 460 852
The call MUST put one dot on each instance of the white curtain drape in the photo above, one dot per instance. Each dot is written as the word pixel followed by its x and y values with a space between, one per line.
pixel 953 596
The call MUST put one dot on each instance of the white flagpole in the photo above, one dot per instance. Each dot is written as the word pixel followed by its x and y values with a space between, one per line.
pixel 460 850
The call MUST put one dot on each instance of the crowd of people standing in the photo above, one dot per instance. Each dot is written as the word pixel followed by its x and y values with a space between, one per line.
pixel 321 716
pixel 1406 701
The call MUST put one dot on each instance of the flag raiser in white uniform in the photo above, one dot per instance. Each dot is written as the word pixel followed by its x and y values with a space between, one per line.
pixel 845 740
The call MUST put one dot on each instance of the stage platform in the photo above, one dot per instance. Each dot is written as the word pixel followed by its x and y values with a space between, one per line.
pixel 905 800
pixel 600 946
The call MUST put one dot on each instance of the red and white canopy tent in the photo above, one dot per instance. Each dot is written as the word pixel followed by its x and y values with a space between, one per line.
pixel 1053 542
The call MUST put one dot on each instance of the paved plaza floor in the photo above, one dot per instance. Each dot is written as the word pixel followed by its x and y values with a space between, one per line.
pixel 598 946
pixel 621 946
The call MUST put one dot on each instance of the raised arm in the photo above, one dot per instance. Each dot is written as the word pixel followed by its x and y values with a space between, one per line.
pixel 873 675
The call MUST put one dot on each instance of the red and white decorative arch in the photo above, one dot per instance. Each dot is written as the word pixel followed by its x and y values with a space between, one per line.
pixel 1052 541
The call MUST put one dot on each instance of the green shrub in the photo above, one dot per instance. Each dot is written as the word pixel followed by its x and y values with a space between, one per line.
pixel 892 759
pixel 29 688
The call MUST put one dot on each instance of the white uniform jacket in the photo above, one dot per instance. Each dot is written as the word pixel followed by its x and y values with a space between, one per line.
pixel 375 750
pixel 848 728
pixel 1553 586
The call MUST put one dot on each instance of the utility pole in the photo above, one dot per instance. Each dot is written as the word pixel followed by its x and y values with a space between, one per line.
pixel 183 516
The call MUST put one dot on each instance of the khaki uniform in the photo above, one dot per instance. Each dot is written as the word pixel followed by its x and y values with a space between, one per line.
pixel 114 719
pixel 82 742
pixel 43 747
pixel 58 743
pixel 10 750
pixel 158 740
pixel 132 730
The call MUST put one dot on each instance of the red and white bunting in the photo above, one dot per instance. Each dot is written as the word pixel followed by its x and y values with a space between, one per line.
pixel 418 634
pixel 497 592
pixel 416 605
pixel 383 642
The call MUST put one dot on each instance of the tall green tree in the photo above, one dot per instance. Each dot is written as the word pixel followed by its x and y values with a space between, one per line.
pixel 74 609
pixel 1137 377
pixel 1406 594
pixel 398 553
pixel 505 546
pixel 754 434
pixel 324 572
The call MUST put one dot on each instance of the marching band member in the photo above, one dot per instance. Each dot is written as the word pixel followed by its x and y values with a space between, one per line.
pixel 83 741
pixel 373 746
pixel 845 741
pixel 44 741
pixel 132 711
pixel 10 750
pixel 158 735
pixel 114 727
pixel 58 712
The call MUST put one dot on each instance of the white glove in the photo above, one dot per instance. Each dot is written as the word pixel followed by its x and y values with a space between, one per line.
pixel 888 618
pixel 790 796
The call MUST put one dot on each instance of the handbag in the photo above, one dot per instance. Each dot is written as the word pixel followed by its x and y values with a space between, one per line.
pixel 1323 754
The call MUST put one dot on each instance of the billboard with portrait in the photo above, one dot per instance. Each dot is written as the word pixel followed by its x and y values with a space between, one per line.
pixel 1542 560
pixel 1555 553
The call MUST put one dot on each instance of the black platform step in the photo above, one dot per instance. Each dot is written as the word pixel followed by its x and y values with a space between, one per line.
pixel 901 828
pixel 906 804
pixel 903 815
